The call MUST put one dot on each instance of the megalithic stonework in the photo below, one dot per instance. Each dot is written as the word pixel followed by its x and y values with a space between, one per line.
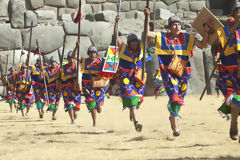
pixel 232 32
pixel 145 41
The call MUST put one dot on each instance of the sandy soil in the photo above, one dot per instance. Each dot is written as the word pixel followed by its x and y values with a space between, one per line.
pixel 203 133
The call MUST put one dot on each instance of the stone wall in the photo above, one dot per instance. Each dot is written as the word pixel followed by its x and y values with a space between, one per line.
pixel 52 19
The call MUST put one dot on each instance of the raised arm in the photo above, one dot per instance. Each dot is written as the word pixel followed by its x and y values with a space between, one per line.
pixel 207 28
pixel 74 55
pixel 150 35
pixel 119 41
pixel 27 60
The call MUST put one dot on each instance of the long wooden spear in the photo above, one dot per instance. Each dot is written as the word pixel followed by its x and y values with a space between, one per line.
pixel 42 70
pixel 115 57
pixel 61 62
pixel 29 49
pixel 232 32
pixel 145 41
pixel 78 50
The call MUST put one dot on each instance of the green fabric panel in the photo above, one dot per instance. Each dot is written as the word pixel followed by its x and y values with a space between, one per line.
pixel 91 105
pixel 224 109
pixel 130 102
pixel 174 107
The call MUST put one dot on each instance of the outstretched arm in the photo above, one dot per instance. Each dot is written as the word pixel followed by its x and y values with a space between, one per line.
pixel 150 35
pixel 115 32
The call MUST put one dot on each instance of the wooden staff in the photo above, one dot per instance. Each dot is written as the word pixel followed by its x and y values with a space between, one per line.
pixel 13 63
pixel 145 41
pixel 232 32
pixel 29 49
pixel 42 70
pixel 78 50
pixel 61 62
pixel 115 57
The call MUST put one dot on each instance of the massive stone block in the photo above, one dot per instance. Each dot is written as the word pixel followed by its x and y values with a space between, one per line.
pixel 107 16
pixel 4 8
pixel 110 6
pixel 9 37
pixel 168 2
pixel 197 5
pixel 50 38
pixel 30 16
pixel 183 6
pixel 71 28
pixel 72 3
pixel 16 11
pixel 36 4
pixel 46 15
pixel 163 14
pixel 85 42
pixel 102 35
pixel 127 26
pixel 55 3
pixel 95 1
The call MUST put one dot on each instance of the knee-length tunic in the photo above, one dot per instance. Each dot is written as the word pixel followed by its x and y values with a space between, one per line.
pixel 132 90
pixel 94 96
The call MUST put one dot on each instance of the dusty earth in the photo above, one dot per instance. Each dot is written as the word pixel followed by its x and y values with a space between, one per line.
pixel 204 134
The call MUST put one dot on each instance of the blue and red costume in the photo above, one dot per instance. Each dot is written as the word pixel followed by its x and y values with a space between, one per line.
pixel 38 87
pixel 53 95
pixel 132 90
pixel 72 100
pixel 166 47
pixel 94 96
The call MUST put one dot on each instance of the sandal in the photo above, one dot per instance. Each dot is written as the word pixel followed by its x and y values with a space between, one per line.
pixel 41 116
pixel 234 135
pixel 138 126
pixel 177 133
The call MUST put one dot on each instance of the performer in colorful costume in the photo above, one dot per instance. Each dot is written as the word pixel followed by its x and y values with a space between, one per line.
pixel 175 45
pixel 10 87
pixel 38 87
pixel 51 79
pixel 72 99
pixel 23 84
pixel 229 74
pixel 93 93
pixel 130 67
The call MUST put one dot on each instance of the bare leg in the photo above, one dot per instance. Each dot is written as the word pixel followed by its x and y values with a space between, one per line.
pixel 174 125
pixel 234 123
pixel 28 109
pixel 40 113
pixel 75 114
pixel 71 115
pixel 10 105
pixel 133 116
pixel 54 115
pixel 42 110
pixel 93 113
pixel 22 112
